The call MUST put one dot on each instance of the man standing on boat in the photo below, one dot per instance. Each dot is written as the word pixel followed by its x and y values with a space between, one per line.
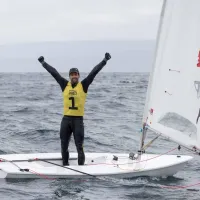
pixel 74 96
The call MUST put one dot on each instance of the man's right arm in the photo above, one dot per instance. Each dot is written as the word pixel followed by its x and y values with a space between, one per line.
pixel 62 81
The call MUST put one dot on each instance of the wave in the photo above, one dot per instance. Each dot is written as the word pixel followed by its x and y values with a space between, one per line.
pixel 22 110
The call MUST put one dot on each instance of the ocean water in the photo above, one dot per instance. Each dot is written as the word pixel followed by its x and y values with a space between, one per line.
pixel 30 116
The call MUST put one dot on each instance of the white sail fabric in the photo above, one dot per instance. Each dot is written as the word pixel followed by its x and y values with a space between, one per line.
pixel 174 86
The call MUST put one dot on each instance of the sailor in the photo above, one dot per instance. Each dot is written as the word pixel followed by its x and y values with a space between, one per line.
pixel 74 96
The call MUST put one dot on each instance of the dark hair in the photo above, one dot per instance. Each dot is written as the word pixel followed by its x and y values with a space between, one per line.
pixel 73 70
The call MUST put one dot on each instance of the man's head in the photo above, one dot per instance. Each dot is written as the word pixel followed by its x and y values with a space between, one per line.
pixel 74 75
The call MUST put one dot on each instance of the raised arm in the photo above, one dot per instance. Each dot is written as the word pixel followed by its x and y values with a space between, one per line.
pixel 62 81
pixel 89 79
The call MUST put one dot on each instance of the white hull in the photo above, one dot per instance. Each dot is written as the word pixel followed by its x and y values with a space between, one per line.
pixel 97 164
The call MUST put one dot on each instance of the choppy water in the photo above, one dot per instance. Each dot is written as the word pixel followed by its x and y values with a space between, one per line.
pixel 30 116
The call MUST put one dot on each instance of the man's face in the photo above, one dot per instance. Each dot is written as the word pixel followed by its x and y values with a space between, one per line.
pixel 74 77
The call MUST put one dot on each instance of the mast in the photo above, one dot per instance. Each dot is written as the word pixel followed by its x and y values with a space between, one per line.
pixel 144 126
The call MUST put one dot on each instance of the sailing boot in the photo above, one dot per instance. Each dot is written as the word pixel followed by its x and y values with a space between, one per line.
pixel 65 163
pixel 81 156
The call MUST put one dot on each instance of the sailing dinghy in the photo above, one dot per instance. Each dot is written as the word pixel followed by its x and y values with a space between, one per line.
pixel 172 96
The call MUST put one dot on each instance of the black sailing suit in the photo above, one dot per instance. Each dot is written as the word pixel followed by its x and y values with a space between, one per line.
pixel 73 124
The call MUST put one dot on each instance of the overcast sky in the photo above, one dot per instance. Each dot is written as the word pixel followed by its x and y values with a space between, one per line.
pixel 58 20
pixel 38 21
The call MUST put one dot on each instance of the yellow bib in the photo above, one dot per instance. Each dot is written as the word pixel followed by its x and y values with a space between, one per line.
pixel 74 100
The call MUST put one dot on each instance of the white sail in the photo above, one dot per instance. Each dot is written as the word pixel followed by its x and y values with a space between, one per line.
pixel 173 96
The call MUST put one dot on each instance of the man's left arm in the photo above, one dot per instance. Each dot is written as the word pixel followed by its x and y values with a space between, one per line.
pixel 89 79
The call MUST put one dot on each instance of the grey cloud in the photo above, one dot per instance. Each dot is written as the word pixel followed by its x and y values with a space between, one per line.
pixel 61 20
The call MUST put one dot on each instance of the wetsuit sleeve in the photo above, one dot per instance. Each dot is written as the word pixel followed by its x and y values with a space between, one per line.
pixel 62 81
pixel 89 79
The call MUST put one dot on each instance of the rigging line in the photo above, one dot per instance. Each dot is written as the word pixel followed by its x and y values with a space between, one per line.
pixel 137 161
pixel 37 159
pixel 149 143
pixel 191 150
pixel 29 160
pixel 2 160
pixel 102 178
pixel 163 186
pixel 27 170
pixel 157 155
pixel 134 170
pixel 194 150
pixel 49 178
pixel 147 160
pixel 182 186
pixel 42 175
pixel 99 178
pixel 144 132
